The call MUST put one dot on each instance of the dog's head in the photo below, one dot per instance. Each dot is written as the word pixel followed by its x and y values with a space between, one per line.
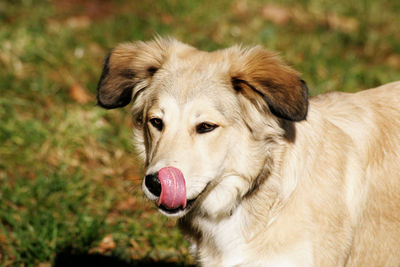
pixel 206 124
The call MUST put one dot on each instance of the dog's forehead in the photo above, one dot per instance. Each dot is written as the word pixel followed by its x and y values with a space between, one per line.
pixel 198 66
pixel 196 76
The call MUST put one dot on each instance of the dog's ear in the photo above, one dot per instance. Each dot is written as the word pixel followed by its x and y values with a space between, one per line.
pixel 128 68
pixel 260 73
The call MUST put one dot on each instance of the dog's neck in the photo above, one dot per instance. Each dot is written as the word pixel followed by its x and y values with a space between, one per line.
pixel 214 239
pixel 261 204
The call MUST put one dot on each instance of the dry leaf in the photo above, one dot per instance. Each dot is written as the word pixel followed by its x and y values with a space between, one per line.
pixel 78 22
pixel 127 204
pixel 276 14
pixel 394 61
pixel 106 244
pixel 240 8
pixel 282 15
pixel 80 94
pixel 342 23
pixel 134 244
pixel 167 18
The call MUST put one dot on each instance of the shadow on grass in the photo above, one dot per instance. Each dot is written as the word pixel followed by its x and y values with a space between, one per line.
pixel 68 259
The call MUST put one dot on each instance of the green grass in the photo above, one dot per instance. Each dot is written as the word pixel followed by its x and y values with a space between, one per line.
pixel 69 176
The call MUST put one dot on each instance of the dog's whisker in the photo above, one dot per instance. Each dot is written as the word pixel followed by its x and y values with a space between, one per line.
pixel 133 188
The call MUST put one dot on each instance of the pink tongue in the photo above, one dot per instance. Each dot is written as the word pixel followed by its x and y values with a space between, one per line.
pixel 173 188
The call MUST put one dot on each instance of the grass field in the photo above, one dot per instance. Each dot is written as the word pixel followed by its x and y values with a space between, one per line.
pixel 69 179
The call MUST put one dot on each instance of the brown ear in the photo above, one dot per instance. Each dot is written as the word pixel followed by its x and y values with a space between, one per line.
pixel 127 69
pixel 279 85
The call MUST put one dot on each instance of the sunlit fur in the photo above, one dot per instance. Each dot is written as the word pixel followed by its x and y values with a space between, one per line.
pixel 272 188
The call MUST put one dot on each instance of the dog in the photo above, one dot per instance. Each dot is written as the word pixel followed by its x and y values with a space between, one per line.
pixel 257 173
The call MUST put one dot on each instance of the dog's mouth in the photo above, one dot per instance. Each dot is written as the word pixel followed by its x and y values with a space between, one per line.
pixel 179 210
pixel 167 189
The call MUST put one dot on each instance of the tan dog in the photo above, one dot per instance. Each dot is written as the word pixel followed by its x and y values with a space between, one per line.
pixel 257 176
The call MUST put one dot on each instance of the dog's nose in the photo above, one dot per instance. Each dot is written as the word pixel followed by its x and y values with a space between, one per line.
pixel 153 184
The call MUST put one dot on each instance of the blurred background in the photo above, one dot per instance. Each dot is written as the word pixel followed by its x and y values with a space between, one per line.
pixel 69 178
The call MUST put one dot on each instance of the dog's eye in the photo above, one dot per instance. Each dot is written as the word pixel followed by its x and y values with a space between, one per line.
pixel 205 127
pixel 157 123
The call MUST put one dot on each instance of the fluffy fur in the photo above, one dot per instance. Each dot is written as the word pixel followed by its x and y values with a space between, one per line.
pixel 281 180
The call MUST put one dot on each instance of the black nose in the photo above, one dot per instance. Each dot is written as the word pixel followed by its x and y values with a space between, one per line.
pixel 153 184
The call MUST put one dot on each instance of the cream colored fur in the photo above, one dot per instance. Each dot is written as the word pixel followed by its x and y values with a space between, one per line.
pixel 270 191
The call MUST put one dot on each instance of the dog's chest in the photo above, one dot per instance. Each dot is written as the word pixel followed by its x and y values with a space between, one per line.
pixel 235 242
pixel 227 244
